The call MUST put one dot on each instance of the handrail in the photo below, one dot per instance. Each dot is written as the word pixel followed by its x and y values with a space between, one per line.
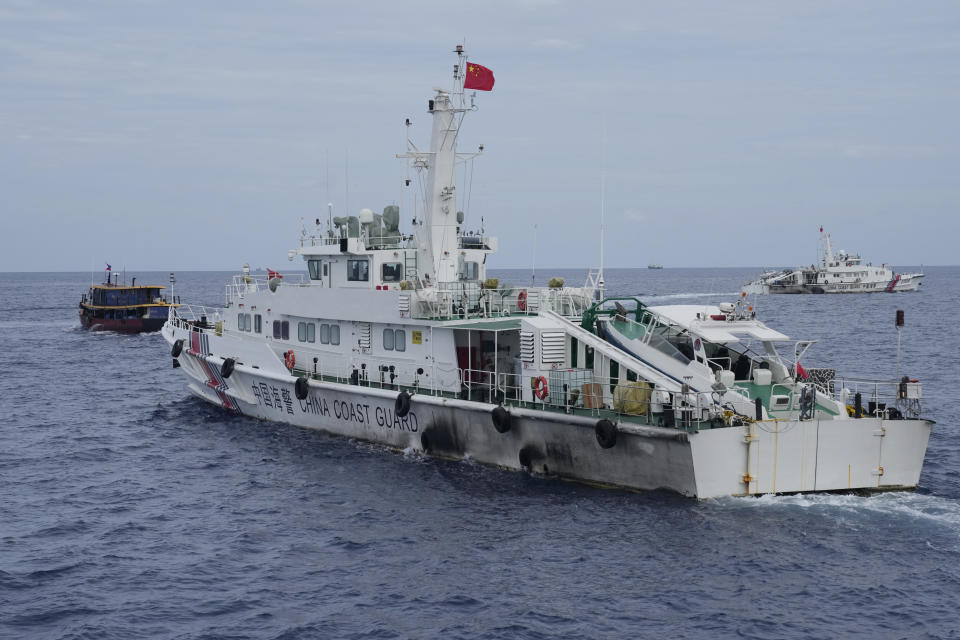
pixel 590 315
pixel 241 284
pixel 469 300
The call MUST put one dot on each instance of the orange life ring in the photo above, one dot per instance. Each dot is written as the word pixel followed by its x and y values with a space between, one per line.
pixel 522 301
pixel 540 387
pixel 289 359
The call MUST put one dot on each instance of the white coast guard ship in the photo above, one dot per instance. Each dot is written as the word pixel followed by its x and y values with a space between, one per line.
pixel 839 272
pixel 397 337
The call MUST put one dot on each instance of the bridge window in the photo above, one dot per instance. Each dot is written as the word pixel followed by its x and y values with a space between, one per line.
pixel 257 323
pixel 388 339
pixel 358 270
pixel 281 330
pixel 314 267
pixel 392 272
pixel 469 271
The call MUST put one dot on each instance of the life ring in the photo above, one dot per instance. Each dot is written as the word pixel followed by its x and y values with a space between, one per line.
pixel 177 348
pixel 301 388
pixel 501 419
pixel 401 405
pixel 226 369
pixel 606 433
pixel 522 301
pixel 540 387
pixel 289 359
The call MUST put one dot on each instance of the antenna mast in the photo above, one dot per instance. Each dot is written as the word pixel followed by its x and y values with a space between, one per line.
pixel 603 195
pixel 533 280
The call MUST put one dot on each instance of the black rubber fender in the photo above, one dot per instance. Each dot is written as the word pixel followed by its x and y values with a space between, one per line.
pixel 301 388
pixel 401 405
pixel 177 348
pixel 606 433
pixel 226 369
pixel 501 419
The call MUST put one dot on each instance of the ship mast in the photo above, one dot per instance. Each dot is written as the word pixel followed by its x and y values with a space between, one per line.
pixel 827 249
pixel 436 233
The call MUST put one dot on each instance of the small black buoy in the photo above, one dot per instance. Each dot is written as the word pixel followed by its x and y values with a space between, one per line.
pixel 177 348
pixel 227 367
pixel 606 433
pixel 501 419
pixel 301 388
pixel 402 404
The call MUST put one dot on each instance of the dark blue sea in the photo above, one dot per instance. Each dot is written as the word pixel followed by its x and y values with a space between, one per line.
pixel 129 509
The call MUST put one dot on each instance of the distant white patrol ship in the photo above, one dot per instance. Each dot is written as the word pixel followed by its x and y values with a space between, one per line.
pixel 838 273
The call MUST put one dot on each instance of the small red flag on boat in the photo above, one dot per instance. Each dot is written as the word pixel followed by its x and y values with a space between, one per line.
pixel 802 372
pixel 821 228
pixel 478 77
pixel 271 274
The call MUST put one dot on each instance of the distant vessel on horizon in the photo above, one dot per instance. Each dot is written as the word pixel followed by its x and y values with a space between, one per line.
pixel 842 272
pixel 654 265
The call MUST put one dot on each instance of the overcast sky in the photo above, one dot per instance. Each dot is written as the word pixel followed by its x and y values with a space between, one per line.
pixel 190 135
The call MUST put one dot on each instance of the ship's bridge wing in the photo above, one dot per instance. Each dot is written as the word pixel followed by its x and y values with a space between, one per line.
pixel 697 319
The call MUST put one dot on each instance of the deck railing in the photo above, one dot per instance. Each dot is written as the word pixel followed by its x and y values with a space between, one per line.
pixel 470 300
pixel 242 284
pixel 879 397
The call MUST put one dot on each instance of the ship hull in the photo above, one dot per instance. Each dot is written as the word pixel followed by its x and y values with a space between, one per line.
pixel 148 321
pixel 123 325
pixel 762 457
pixel 898 285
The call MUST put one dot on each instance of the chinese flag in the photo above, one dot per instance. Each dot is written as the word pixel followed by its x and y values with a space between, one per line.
pixel 478 77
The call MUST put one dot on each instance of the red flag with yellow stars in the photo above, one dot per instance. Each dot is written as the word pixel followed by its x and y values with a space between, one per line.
pixel 478 77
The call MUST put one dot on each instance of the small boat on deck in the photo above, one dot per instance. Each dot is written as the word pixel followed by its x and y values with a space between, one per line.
pixel 132 308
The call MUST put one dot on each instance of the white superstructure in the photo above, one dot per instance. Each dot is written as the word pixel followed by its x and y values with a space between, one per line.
pixel 398 337
pixel 839 272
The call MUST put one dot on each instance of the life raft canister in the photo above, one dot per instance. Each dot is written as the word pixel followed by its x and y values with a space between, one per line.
pixel 289 359
pixel 522 301
pixel 540 387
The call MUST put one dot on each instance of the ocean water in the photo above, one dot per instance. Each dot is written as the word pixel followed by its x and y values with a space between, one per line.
pixel 130 510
